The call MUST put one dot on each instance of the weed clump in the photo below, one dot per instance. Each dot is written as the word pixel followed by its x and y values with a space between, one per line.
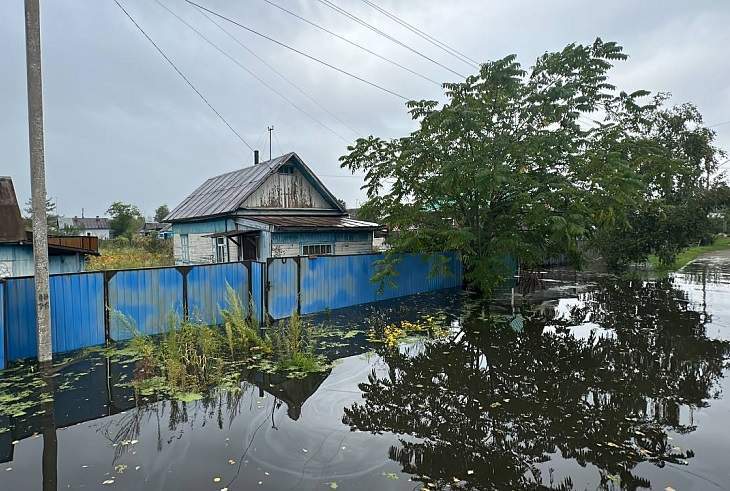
pixel 293 344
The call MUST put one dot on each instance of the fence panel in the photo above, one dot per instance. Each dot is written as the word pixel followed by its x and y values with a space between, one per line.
pixel 207 290
pixel 77 311
pixel 257 290
pixel 332 282
pixel 147 298
pixel 281 277
pixel 2 326
pixel 77 314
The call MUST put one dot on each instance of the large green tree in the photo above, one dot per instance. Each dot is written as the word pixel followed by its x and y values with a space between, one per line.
pixel 500 169
pixel 161 212
pixel 529 163
pixel 125 219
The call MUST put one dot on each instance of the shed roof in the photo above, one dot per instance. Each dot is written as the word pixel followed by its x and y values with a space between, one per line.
pixel 12 228
pixel 311 222
pixel 225 193
pixel 92 223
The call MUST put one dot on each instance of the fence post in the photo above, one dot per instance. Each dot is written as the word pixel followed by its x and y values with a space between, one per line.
pixel 3 326
pixel 108 275
pixel 184 270
pixel 299 284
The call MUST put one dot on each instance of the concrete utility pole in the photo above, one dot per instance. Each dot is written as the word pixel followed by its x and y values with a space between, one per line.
pixel 270 128
pixel 38 177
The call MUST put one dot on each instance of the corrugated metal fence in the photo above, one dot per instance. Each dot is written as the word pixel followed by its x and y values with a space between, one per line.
pixel 147 299
pixel 314 284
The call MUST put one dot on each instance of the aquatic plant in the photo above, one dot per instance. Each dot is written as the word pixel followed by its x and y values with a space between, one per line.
pixel 241 330
pixel 294 343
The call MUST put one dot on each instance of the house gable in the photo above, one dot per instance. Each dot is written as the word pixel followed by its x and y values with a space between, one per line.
pixel 288 187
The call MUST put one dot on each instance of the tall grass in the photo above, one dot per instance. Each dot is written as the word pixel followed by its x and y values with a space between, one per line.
pixel 191 357
pixel 294 343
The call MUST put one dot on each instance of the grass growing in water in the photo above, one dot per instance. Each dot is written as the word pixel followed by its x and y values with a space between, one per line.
pixel 191 358
pixel 293 343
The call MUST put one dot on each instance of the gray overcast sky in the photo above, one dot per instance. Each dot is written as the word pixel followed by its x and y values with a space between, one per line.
pixel 121 125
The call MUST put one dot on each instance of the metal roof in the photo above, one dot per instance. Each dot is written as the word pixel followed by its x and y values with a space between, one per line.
pixel 224 194
pixel 97 223
pixel 12 228
pixel 310 222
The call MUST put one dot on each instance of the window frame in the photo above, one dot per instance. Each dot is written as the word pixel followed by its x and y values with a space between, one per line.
pixel 319 249
pixel 185 248
pixel 219 249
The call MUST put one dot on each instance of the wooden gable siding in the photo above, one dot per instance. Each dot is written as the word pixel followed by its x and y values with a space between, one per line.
pixel 287 191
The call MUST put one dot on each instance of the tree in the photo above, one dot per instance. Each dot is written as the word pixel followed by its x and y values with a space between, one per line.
pixel 161 212
pixel 125 219
pixel 674 157
pixel 51 216
pixel 500 169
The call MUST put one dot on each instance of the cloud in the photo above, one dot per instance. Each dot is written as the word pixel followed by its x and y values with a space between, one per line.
pixel 121 125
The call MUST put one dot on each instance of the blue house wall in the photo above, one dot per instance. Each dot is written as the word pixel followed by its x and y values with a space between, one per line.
pixel 19 258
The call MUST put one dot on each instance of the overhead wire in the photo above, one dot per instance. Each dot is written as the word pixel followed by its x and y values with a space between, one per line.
pixel 277 72
pixel 182 75
pixel 307 55
pixel 249 71
pixel 422 34
pixel 363 23
pixel 718 124
pixel 353 43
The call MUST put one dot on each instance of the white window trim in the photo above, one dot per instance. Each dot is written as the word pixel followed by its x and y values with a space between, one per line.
pixel 185 248
pixel 310 246
pixel 219 244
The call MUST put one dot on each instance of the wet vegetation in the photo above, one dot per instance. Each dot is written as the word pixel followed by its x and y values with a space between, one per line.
pixel 570 384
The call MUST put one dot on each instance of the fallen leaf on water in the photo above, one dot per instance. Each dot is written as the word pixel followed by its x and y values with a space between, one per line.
pixel 108 481
pixel 231 461
pixel 669 488
pixel 333 485
pixel 216 479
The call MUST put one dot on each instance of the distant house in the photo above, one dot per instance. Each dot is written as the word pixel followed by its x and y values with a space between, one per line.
pixel 275 208
pixel 156 229
pixel 67 254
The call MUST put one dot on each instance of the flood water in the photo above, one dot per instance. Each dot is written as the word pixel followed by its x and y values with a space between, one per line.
pixel 577 381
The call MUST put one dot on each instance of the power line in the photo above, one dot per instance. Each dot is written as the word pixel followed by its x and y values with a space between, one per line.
pixel 353 43
pixel 313 58
pixel 277 72
pixel 159 50
pixel 250 72
pixel 718 124
pixel 440 44
pixel 386 35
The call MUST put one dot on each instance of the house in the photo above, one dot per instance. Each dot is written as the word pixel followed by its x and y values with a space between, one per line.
pixel 66 254
pixel 156 229
pixel 98 227
pixel 277 208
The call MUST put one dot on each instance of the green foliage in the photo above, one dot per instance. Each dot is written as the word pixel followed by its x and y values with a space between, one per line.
pixel 293 343
pixel 126 219
pixel 161 212
pixel 511 165
pixel 242 331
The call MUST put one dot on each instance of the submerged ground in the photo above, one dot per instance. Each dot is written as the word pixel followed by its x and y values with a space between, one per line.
pixel 568 381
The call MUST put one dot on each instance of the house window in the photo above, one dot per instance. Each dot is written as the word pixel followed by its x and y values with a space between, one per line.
pixel 286 169
pixel 185 245
pixel 220 249
pixel 316 249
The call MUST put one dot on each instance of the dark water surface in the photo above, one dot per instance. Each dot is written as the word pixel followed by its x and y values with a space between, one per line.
pixel 576 381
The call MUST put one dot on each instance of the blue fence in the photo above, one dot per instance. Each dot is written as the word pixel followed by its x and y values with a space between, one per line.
pixel 314 284
pixel 146 299
pixel 2 326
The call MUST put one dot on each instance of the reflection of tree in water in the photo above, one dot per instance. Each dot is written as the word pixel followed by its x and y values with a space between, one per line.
pixel 485 409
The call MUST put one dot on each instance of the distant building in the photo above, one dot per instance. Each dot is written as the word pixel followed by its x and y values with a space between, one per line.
pixel 156 229
pixel 275 208
pixel 66 254
pixel 98 227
